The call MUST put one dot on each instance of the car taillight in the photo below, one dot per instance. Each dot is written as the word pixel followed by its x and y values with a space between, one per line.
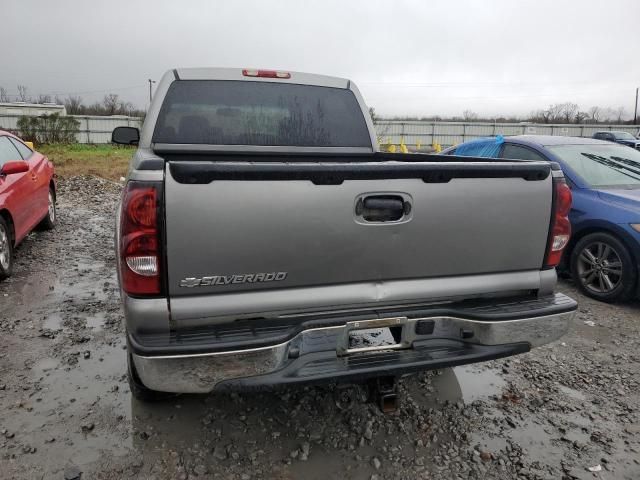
pixel 265 73
pixel 560 225
pixel 140 243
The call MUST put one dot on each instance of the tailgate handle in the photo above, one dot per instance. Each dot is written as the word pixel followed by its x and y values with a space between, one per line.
pixel 382 208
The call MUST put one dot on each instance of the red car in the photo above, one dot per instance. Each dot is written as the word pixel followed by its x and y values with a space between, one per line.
pixel 27 195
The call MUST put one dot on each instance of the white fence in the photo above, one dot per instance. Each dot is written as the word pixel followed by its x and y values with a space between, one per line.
pixel 412 133
pixel 93 128
pixel 96 129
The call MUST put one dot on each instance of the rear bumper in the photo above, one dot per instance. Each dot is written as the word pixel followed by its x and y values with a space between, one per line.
pixel 317 354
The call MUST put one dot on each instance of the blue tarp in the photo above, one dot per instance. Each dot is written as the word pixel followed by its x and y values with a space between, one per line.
pixel 482 147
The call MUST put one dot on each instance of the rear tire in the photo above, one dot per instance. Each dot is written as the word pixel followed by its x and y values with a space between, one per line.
pixel 602 267
pixel 139 390
pixel 6 249
pixel 49 222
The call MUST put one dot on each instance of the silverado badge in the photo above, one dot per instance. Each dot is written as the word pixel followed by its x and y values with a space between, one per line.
pixel 191 282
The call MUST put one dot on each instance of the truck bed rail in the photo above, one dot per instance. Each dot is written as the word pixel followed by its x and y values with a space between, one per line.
pixel 188 171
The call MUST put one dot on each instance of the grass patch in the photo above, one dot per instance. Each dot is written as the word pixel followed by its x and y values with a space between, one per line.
pixel 106 161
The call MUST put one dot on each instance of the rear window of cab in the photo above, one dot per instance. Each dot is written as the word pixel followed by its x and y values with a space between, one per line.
pixel 226 112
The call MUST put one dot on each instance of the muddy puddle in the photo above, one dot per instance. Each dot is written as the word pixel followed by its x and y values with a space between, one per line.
pixel 75 414
pixel 459 384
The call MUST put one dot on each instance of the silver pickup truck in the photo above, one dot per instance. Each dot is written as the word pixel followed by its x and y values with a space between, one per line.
pixel 263 239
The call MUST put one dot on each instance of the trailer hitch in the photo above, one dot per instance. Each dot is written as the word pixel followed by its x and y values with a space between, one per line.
pixel 384 392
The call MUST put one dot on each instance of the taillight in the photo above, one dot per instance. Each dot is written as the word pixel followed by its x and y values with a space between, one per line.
pixel 560 225
pixel 265 73
pixel 140 243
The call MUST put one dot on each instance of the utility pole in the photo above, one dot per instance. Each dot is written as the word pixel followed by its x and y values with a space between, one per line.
pixel 151 82
pixel 635 115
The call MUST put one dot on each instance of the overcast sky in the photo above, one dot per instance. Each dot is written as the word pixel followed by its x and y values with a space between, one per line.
pixel 408 57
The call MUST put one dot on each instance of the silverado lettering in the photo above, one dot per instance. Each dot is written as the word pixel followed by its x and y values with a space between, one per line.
pixel 191 282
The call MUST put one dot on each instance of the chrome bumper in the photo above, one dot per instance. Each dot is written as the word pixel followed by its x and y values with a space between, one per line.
pixel 202 373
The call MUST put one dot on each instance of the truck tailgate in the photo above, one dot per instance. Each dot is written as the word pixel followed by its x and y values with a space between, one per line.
pixel 234 226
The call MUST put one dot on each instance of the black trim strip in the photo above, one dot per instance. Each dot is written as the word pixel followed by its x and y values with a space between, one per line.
pixel 316 156
pixel 175 74
pixel 325 368
pixel 151 164
pixel 552 219
pixel 336 172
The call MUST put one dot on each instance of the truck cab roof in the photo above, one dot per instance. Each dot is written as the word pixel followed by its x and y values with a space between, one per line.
pixel 210 73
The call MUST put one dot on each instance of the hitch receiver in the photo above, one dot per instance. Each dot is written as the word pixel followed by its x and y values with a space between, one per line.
pixel 384 392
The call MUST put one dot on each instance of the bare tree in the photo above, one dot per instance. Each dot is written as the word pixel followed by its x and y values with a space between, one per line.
pixel 372 112
pixel 124 108
pixel 595 113
pixel 581 117
pixel 96 109
pixel 568 111
pixel 469 116
pixel 74 105
pixel 539 116
pixel 606 114
pixel 43 99
pixel 4 96
pixel 110 103
pixel 553 113
pixel 620 113
pixel 22 93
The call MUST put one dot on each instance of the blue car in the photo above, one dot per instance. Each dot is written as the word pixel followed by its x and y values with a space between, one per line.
pixel 603 256
pixel 623 138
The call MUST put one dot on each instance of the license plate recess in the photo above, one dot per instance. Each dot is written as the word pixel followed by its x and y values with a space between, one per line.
pixel 373 335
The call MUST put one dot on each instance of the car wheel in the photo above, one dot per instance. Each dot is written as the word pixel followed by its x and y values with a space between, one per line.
pixel 602 267
pixel 6 249
pixel 49 221
pixel 139 390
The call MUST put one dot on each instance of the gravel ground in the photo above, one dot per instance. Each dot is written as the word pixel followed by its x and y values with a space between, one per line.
pixel 67 412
